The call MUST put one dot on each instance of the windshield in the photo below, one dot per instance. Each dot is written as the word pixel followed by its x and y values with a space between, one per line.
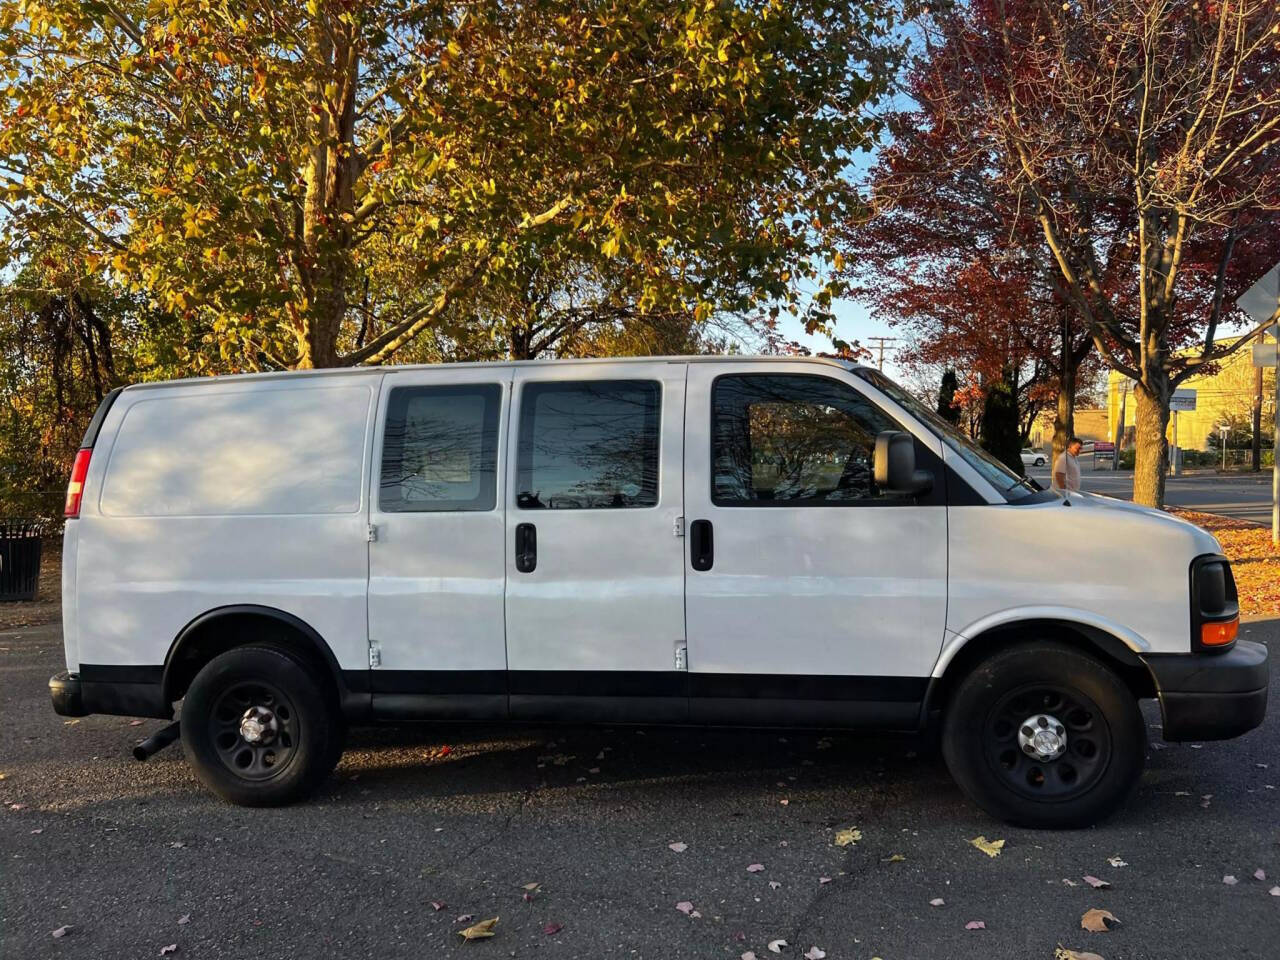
pixel 992 470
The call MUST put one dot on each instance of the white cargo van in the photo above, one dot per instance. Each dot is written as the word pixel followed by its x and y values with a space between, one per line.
pixel 700 540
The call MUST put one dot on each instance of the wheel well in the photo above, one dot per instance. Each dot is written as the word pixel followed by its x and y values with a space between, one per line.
pixel 218 631
pixel 1097 643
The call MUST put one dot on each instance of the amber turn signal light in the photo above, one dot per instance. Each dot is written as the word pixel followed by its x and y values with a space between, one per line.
pixel 1219 634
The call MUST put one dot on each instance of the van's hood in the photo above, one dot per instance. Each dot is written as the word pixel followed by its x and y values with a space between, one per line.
pixel 1097 501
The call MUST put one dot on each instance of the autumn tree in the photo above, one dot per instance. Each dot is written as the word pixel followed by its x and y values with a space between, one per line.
pixel 1143 138
pixel 947 408
pixel 954 256
pixel 322 184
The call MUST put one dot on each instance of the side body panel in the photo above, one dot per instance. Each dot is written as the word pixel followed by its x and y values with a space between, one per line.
pixel 188 509
pixel 1099 562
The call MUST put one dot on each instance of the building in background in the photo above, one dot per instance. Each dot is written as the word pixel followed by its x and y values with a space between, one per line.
pixel 1091 424
pixel 1224 395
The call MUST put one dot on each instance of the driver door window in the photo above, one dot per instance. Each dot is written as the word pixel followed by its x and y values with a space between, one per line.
pixel 793 440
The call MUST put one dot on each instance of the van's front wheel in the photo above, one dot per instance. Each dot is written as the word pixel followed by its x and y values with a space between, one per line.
pixel 1044 735
pixel 258 727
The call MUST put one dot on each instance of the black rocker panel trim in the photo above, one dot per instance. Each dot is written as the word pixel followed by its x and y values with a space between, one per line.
pixel 614 696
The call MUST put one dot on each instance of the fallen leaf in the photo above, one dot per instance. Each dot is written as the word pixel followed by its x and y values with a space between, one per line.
pixel 1098 921
pixel 480 930
pixel 184 919
pixel 991 848
pixel 1096 883
pixel 135 723
pixel 755 867
pixel 685 907
pixel 530 886
pixel 1274 891
pixel 438 905
pixel 552 928
pixel 975 925
pixel 896 858
pixel 775 946
pixel 38 830
pixel 814 953
pixel 1117 862
pixel 171 948
pixel 1259 874
pixel 784 802
pixel 1070 883
pixel 749 955
pixel 527 897
pixel 1062 953
pixel 846 838
pixel 678 847
pixel 774 884
pixel 1229 880
pixel 465 918
pixel 937 902
pixel 822 880
pixel 62 932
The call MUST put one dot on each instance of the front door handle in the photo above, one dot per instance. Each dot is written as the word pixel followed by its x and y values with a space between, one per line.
pixel 701 545
pixel 526 547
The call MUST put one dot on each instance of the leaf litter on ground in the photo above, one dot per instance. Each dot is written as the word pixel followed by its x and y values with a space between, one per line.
pixel 1098 921
pixel 848 837
pixel 479 931
pixel 991 848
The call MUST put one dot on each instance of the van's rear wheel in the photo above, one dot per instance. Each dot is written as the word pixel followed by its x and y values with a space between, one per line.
pixel 1044 735
pixel 259 728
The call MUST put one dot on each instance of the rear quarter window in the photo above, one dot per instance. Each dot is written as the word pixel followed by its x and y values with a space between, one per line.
pixel 289 450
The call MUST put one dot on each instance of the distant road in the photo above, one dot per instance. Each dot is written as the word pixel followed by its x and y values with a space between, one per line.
pixel 1246 496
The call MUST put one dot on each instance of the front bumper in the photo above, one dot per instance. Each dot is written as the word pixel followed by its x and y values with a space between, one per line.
pixel 1211 696
pixel 75 696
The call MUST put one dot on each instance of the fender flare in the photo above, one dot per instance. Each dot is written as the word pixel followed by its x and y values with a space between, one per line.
pixel 255 610
pixel 1116 641
pixel 1086 621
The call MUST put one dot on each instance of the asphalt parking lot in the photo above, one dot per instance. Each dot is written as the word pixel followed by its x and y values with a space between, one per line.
pixel 135 858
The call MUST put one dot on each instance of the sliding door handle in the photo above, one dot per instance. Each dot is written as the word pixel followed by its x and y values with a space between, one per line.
pixel 526 547
pixel 701 545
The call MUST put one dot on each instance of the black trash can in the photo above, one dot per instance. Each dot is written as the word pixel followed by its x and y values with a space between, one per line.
pixel 20 545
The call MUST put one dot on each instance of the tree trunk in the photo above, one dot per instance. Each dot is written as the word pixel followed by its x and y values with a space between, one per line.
pixel 1151 462
pixel 520 340
pixel 1064 418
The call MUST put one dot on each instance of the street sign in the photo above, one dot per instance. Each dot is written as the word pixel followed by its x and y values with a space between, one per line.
pixel 1264 354
pixel 1261 300
pixel 1182 400
pixel 1104 450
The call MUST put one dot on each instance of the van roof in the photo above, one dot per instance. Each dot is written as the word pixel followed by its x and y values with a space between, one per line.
pixel 489 364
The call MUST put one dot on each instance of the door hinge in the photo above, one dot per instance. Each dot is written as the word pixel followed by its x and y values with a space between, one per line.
pixel 677 528
pixel 372 532
pixel 682 657
pixel 375 655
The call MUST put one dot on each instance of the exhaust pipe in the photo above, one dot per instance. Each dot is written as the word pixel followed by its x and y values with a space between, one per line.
pixel 156 742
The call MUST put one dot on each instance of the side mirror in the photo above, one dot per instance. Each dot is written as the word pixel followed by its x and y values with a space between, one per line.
pixel 895 465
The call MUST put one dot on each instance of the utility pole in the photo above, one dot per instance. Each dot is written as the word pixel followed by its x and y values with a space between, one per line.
pixel 882 341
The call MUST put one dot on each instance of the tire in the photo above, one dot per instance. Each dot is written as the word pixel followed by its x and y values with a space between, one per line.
pixel 994 716
pixel 299 730
pixel 1039 461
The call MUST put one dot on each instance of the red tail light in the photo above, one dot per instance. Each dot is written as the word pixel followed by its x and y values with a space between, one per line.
pixel 75 489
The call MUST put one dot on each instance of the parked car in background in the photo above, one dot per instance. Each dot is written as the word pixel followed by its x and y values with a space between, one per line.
pixel 1032 458
pixel 694 540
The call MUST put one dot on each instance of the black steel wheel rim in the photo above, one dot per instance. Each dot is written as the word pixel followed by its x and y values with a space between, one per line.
pixel 268 757
pixel 1072 774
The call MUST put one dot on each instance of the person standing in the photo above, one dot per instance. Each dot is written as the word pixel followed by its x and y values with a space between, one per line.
pixel 1066 469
